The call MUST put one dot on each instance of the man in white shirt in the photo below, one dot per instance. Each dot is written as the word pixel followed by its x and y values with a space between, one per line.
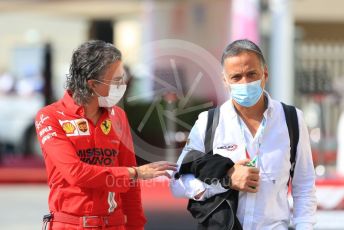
pixel 253 126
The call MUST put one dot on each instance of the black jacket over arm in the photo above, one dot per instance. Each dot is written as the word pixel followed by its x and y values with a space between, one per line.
pixel 217 212
pixel 206 167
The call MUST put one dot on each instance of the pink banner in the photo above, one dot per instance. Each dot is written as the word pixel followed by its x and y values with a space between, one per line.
pixel 244 20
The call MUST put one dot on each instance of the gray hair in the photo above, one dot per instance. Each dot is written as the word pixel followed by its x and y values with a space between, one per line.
pixel 89 61
pixel 240 46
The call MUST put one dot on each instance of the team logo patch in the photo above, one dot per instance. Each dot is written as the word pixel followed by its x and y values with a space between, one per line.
pixel 106 126
pixel 229 147
pixel 68 127
pixel 78 127
pixel 82 126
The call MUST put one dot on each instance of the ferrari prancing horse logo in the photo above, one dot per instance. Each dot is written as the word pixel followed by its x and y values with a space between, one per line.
pixel 106 126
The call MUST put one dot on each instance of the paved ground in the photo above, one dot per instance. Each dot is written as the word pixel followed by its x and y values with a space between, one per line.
pixel 22 207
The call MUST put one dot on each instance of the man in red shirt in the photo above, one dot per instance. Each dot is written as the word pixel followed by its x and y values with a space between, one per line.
pixel 88 149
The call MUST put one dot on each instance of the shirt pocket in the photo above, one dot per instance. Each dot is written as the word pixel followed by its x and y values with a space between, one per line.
pixel 274 166
pixel 268 177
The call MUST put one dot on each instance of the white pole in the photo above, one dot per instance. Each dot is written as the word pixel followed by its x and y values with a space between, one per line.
pixel 282 52
pixel 340 151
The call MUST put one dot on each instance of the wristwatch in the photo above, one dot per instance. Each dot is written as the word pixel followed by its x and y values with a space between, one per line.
pixel 226 182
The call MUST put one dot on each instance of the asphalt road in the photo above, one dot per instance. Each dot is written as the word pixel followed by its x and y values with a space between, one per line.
pixel 22 208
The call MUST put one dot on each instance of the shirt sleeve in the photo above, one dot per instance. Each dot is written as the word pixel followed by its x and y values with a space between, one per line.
pixel 187 185
pixel 59 151
pixel 132 204
pixel 303 183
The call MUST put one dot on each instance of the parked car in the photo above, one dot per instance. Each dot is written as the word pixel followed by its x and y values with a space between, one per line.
pixel 17 115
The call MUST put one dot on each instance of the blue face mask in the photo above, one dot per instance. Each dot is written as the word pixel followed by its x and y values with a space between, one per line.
pixel 247 94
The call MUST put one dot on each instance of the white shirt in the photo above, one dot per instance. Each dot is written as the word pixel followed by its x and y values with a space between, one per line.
pixel 268 208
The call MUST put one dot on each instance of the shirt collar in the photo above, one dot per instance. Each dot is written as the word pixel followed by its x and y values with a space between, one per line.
pixel 229 107
pixel 269 111
pixel 70 104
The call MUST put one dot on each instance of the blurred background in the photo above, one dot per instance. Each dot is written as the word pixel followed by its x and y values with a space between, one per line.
pixel 172 51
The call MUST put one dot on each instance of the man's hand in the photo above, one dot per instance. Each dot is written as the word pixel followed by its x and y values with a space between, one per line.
pixel 155 169
pixel 244 178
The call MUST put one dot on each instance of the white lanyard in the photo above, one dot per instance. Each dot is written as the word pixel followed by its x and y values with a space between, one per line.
pixel 260 133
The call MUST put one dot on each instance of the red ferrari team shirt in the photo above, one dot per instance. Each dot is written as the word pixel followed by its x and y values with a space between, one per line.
pixel 86 163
